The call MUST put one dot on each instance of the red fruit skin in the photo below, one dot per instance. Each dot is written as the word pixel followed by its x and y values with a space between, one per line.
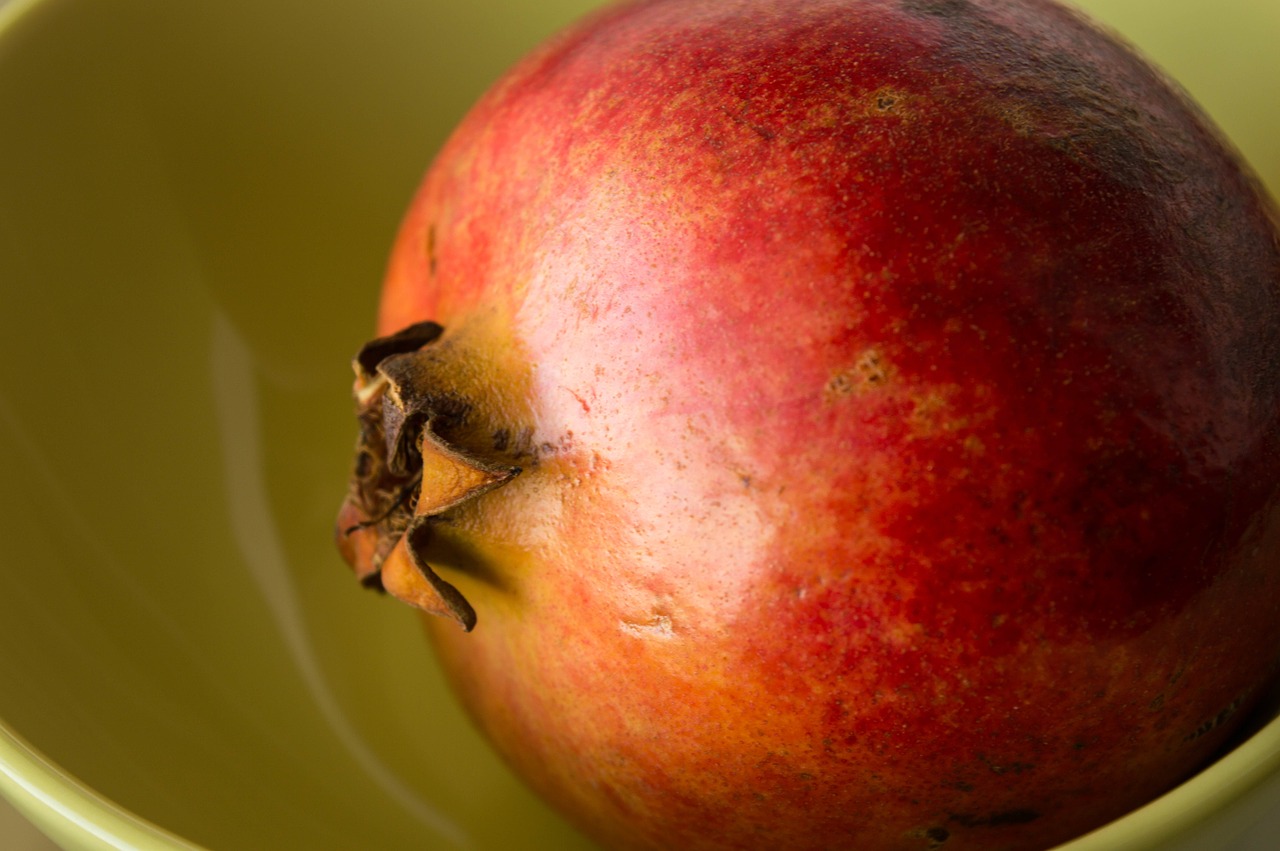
pixel 897 390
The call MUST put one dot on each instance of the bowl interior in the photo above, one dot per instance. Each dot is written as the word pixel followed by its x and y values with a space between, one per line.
pixel 196 201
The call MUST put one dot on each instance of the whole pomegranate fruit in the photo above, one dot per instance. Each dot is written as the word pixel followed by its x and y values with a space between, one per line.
pixel 846 424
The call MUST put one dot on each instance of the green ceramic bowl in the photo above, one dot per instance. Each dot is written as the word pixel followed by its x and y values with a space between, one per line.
pixel 196 200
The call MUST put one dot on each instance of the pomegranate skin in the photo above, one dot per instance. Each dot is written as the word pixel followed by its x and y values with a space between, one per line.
pixel 894 386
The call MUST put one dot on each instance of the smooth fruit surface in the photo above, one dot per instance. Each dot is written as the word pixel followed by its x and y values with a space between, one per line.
pixel 884 394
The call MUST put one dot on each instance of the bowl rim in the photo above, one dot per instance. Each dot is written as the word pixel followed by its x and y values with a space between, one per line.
pixel 65 809
pixel 1211 795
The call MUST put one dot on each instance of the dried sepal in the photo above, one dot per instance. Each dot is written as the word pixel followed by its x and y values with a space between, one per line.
pixel 406 340
pixel 450 477
pixel 406 475
pixel 408 577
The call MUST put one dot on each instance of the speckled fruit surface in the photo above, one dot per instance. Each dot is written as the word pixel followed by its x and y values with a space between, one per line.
pixel 893 390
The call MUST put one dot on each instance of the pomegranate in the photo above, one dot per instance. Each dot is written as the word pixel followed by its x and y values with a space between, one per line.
pixel 833 424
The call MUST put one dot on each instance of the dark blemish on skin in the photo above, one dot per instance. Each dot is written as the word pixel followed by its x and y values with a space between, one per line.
pixel 1006 768
pixel 885 102
pixel 869 372
pixel 1215 722
pixel 501 440
pixel 840 385
pixel 872 369
pixel 741 118
pixel 431 248
pixel 937 836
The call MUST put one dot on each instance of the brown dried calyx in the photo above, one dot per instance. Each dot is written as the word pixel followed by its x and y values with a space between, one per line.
pixel 406 474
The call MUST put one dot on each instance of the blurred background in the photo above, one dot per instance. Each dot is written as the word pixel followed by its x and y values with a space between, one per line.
pixel 1223 53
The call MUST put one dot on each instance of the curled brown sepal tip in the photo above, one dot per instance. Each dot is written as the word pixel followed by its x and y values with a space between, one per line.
pixel 407 577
